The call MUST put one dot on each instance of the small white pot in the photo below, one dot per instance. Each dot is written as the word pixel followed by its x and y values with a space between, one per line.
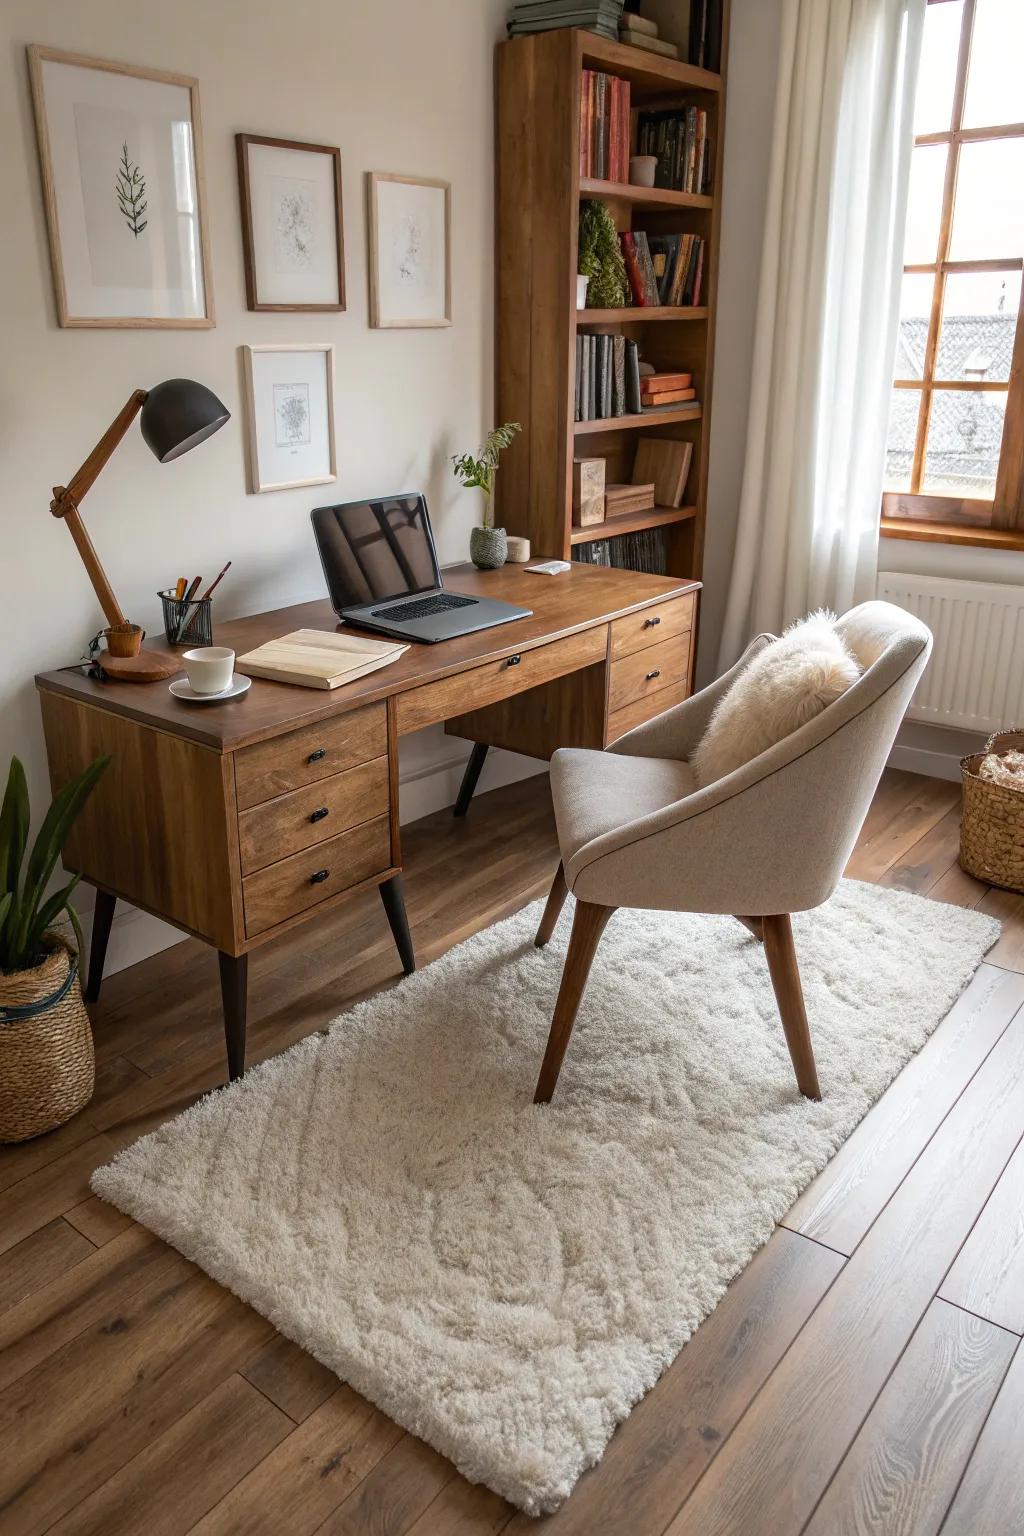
pixel 642 169
pixel 581 291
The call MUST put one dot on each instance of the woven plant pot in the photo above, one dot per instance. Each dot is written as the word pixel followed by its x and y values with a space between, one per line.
pixel 47 1064
pixel 992 824
pixel 488 548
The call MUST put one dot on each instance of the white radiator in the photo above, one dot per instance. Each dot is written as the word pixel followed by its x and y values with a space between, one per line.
pixel 975 679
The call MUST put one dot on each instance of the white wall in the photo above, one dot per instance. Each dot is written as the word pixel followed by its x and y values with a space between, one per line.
pixel 399 85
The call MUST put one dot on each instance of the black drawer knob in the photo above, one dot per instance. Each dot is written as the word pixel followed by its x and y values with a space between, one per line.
pixel 512 661
pixel 650 623
pixel 318 815
pixel 655 673
pixel 314 757
pixel 319 877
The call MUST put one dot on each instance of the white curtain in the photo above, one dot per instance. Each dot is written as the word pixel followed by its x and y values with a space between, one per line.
pixel 825 336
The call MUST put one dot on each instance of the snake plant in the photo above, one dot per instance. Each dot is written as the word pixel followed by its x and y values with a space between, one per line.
pixel 25 911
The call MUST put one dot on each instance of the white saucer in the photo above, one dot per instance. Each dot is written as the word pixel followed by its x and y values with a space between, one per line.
pixel 182 689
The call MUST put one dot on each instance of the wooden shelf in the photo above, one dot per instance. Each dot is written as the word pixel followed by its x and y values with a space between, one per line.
pixel 629 314
pixel 645 71
pixel 659 416
pixel 656 199
pixel 632 522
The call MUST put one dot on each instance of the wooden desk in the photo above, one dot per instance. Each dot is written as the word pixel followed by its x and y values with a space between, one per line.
pixel 236 821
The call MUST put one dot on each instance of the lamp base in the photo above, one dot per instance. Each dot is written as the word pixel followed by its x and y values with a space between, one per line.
pixel 152 666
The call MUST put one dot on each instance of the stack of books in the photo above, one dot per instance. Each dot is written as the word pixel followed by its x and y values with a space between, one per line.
pixel 679 139
pixel 657 389
pixel 604 126
pixel 600 16
pixel 607 377
pixel 639 32
pixel 663 269
pixel 644 551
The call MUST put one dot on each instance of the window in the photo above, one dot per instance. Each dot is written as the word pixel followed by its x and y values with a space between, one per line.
pixel 955 447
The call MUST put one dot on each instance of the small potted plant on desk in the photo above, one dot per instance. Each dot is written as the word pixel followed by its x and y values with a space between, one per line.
pixel 488 546
pixel 47 1065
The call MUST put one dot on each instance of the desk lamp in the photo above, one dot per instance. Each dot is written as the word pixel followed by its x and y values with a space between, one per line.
pixel 176 416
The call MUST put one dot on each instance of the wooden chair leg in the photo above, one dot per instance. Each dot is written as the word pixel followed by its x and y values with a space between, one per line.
pixel 588 925
pixel 754 925
pixel 556 901
pixel 782 966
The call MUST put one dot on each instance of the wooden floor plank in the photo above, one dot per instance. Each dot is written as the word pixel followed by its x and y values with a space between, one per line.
pixel 842 1202
pixel 98 1221
pixel 958 888
pixel 879 850
pixel 988 1274
pixel 290 1377
pixel 904 1466
pixel 24 1158
pixel 306 1477
pixel 990 1500
pixel 26 1268
pixel 55 1188
pixel 399 1490
pixel 775 1466
pixel 929 859
pixel 218 1441
pixel 657 1455
pixel 1008 949
pixel 463 1509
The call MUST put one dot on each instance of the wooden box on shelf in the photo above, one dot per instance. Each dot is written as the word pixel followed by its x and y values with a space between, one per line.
pixel 587 492
pixel 624 500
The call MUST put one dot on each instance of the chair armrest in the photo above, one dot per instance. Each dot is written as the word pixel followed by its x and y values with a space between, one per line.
pixel 675 733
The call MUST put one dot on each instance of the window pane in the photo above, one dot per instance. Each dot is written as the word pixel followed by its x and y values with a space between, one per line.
pixel 964 433
pixel 899 444
pixel 915 311
pixel 979 318
pixel 924 204
pixel 933 104
pixel 994 72
pixel 988 212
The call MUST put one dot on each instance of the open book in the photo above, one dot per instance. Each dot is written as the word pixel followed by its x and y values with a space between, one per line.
pixel 318 658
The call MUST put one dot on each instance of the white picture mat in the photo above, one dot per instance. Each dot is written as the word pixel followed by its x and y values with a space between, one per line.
pixel 291 415
pixel 88 113
pixel 306 179
pixel 411 251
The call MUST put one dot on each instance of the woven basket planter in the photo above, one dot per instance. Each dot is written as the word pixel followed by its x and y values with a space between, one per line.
pixel 47 1064
pixel 992 825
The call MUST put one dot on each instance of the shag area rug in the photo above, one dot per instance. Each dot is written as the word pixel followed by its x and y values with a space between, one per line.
pixel 504 1280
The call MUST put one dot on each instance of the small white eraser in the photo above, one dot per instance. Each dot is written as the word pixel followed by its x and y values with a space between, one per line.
pixel 550 567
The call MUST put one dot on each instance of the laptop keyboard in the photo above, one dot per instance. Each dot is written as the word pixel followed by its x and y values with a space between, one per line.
pixel 424 607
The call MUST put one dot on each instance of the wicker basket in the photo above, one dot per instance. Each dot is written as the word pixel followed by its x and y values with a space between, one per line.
pixel 992 825
pixel 47 1064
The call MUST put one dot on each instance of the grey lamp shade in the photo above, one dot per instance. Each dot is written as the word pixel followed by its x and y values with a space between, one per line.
pixel 179 414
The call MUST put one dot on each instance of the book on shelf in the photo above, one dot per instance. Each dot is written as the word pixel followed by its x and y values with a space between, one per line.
pixel 644 550
pixel 600 16
pixel 607 381
pixel 604 127
pixel 315 658
pixel 667 396
pixel 644 40
pixel 678 138
pixel 663 269
pixel 705 41
pixel 654 383
pixel 666 462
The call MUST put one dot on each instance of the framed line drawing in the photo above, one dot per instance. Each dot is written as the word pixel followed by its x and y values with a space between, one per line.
pixel 290 409
pixel 292 226
pixel 409 223
pixel 121 157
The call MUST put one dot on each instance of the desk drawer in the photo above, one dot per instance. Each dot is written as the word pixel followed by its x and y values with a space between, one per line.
pixel 292 885
pixel 648 707
pixel 315 752
pixel 652 626
pixel 495 680
pixel 304 817
pixel 648 671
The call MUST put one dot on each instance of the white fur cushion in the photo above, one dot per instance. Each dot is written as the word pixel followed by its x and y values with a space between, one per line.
pixel 786 684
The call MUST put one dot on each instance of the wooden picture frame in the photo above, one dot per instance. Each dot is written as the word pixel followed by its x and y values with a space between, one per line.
pixel 263 464
pixel 253 239
pixel 383 313
pixel 76 240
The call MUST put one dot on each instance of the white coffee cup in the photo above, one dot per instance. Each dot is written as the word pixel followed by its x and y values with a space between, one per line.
pixel 209 668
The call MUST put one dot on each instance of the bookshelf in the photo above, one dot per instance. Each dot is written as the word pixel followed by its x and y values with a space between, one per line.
pixel 539 191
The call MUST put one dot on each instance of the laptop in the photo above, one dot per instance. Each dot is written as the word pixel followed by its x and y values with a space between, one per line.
pixel 382 573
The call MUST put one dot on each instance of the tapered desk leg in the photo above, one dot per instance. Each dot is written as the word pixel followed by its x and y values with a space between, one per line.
pixel 102 917
pixel 392 896
pixel 234 974
pixel 470 777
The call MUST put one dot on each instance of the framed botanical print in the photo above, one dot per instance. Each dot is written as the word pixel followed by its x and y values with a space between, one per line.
pixel 292 227
pixel 120 149
pixel 290 400
pixel 410 262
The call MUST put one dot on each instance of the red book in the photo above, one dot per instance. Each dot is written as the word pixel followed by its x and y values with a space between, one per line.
pixel 624 146
pixel 614 127
pixel 698 275
pixel 654 383
pixel 585 124
pixel 666 396
pixel 634 271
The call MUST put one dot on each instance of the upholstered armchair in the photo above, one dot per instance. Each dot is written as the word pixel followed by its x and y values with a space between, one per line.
pixel 768 839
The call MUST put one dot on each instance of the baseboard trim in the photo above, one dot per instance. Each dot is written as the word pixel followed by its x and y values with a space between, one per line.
pixel 934 765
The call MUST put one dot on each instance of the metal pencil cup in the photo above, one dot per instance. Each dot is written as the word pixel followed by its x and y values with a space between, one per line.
pixel 199 628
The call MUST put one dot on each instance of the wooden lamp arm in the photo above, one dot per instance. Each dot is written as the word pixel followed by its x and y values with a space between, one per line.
pixel 66 498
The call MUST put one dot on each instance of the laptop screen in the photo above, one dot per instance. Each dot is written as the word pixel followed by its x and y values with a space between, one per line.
pixel 375 550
